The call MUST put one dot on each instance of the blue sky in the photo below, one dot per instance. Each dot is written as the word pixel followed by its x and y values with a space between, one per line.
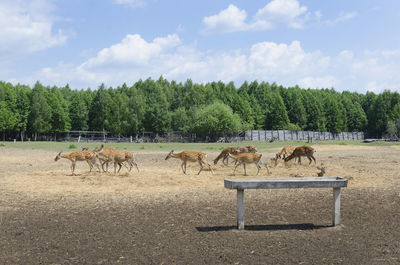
pixel 349 45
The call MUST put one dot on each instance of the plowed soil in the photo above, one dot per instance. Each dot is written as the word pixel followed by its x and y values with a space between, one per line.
pixel 161 216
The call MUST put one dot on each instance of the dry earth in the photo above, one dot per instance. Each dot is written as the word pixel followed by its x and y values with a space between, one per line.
pixel 161 216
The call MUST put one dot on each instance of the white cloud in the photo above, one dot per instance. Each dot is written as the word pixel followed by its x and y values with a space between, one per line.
pixel 228 20
pixel 276 12
pixel 287 12
pixel 130 3
pixel 318 82
pixel 288 64
pixel 133 50
pixel 27 26
pixel 343 16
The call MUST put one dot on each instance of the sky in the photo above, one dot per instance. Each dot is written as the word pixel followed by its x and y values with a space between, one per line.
pixel 348 45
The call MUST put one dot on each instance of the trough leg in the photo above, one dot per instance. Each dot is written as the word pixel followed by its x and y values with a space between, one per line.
pixel 336 207
pixel 240 209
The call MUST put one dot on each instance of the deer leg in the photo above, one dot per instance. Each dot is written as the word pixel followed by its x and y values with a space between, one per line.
pixel 90 165
pixel 115 167
pixel 102 166
pixel 98 167
pixel 258 168
pixel 309 159
pixel 238 164
pixel 183 166
pixel 315 161
pixel 244 166
pixel 134 163
pixel 120 166
pixel 212 172
pixel 73 168
pixel 265 165
pixel 226 160
pixel 201 167
pixel 300 160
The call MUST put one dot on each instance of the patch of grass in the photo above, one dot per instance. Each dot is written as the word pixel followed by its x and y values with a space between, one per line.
pixel 1 145
pixel 72 146
pixel 262 146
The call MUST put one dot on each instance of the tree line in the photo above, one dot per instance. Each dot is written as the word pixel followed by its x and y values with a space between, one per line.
pixel 211 109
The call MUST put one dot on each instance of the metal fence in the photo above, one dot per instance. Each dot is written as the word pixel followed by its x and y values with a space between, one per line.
pixel 286 135
pixel 145 137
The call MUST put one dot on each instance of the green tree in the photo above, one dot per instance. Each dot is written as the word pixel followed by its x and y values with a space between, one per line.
pixel 316 120
pixel 22 109
pixel 334 115
pixel 97 110
pixel 276 117
pixel 60 121
pixel 40 115
pixel 157 117
pixel 215 120
pixel 180 120
pixel 295 108
pixel 7 119
pixel 78 112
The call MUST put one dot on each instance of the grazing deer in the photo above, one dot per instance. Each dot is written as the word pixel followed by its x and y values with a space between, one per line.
pixel 225 155
pixel 286 151
pixel 248 158
pixel 300 151
pixel 106 155
pixel 190 156
pixel 79 156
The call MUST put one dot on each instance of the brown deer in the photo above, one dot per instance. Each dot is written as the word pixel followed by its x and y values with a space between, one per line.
pixel 300 151
pixel 225 155
pixel 107 155
pixel 79 156
pixel 233 150
pixel 247 149
pixel 190 156
pixel 285 151
pixel 248 158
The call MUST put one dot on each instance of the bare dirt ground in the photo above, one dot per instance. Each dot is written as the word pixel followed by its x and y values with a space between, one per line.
pixel 161 216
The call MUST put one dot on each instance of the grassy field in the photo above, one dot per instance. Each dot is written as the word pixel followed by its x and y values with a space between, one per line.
pixel 261 145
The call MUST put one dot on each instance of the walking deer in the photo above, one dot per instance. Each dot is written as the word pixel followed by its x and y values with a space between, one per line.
pixel 190 156
pixel 79 156
pixel 107 155
pixel 248 158
pixel 233 150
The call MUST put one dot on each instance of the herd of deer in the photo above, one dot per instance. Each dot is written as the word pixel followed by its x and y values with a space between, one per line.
pixel 104 154
pixel 241 156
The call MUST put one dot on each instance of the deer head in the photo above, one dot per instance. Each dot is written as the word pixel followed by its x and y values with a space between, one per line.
pixel 95 154
pixel 169 155
pixel 58 157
